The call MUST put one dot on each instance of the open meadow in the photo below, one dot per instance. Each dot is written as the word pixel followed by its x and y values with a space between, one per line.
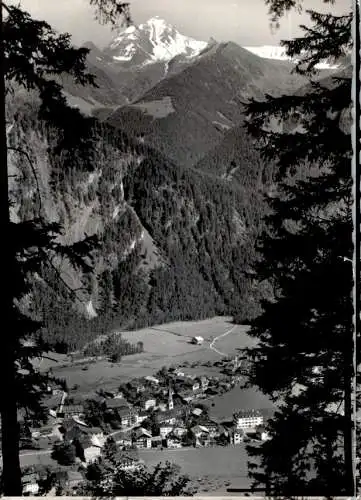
pixel 213 469
pixel 223 406
pixel 164 345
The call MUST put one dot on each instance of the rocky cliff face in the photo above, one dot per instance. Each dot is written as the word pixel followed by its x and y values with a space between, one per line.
pixel 85 203
pixel 173 244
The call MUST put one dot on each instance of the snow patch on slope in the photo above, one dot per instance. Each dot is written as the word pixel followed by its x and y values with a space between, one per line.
pixel 168 42
pixel 278 53
pixel 156 40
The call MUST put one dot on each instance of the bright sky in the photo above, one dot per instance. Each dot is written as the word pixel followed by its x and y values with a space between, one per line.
pixel 243 21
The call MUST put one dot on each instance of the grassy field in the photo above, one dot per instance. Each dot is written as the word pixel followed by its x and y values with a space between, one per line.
pixel 223 406
pixel 213 469
pixel 164 345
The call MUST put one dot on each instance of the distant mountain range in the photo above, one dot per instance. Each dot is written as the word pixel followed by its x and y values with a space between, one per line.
pixel 177 94
pixel 188 112
pixel 140 57
pixel 158 41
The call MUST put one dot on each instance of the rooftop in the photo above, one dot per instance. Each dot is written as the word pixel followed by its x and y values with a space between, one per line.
pixel 142 432
pixel 124 412
pixel 248 413
pixel 123 435
pixel 73 408
pixel 116 403
pixel 74 475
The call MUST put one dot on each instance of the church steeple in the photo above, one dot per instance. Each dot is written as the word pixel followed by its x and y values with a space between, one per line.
pixel 170 398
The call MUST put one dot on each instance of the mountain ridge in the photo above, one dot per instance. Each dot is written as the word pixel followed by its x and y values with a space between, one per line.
pixel 153 41
pixel 187 113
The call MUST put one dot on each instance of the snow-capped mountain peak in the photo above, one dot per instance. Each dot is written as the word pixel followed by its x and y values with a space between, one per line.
pixel 153 41
pixel 279 53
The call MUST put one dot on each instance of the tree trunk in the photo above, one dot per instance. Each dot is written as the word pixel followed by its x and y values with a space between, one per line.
pixel 349 428
pixel 356 242
pixel 9 422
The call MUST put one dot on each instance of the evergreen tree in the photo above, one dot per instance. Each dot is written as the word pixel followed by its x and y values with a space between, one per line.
pixel 106 479
pixel 110 450
pixel 64 453
pixel 33 56
pixel 94 413
pixel 304 356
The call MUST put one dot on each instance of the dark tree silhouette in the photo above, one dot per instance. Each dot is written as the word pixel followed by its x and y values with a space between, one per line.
pixel 64 453
pixel 304 358
pixel 111 479
pixel 32 56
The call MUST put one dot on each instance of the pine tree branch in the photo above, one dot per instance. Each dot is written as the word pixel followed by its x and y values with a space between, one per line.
pixel 5 7
pixel 57 272
pixel 26 154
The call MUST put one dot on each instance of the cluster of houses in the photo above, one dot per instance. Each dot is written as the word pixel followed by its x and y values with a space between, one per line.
pixel 163 413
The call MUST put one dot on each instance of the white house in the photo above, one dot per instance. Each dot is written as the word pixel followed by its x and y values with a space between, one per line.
pixel 91 453
pixel 204 382
pixel 31 489
pixel 263 434
pixel 143 438
pixel 149 403
pixel 197 340
pixel 30 483
pixel 248 419
pixel 164 430
pixel 174 441
pixel 237 436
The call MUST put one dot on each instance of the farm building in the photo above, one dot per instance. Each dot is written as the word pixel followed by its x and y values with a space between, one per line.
pixel 142 438
pixel 71 410
pixel 197 340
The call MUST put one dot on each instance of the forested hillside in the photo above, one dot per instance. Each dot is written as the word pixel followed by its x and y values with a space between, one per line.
pixel 186 114
pixel 236 158
pixel 173 242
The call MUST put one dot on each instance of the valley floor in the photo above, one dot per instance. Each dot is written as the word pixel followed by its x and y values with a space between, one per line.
pixel 164 345
pixel 213 468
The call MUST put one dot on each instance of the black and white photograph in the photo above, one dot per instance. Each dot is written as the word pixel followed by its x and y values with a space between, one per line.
pixel 180 219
